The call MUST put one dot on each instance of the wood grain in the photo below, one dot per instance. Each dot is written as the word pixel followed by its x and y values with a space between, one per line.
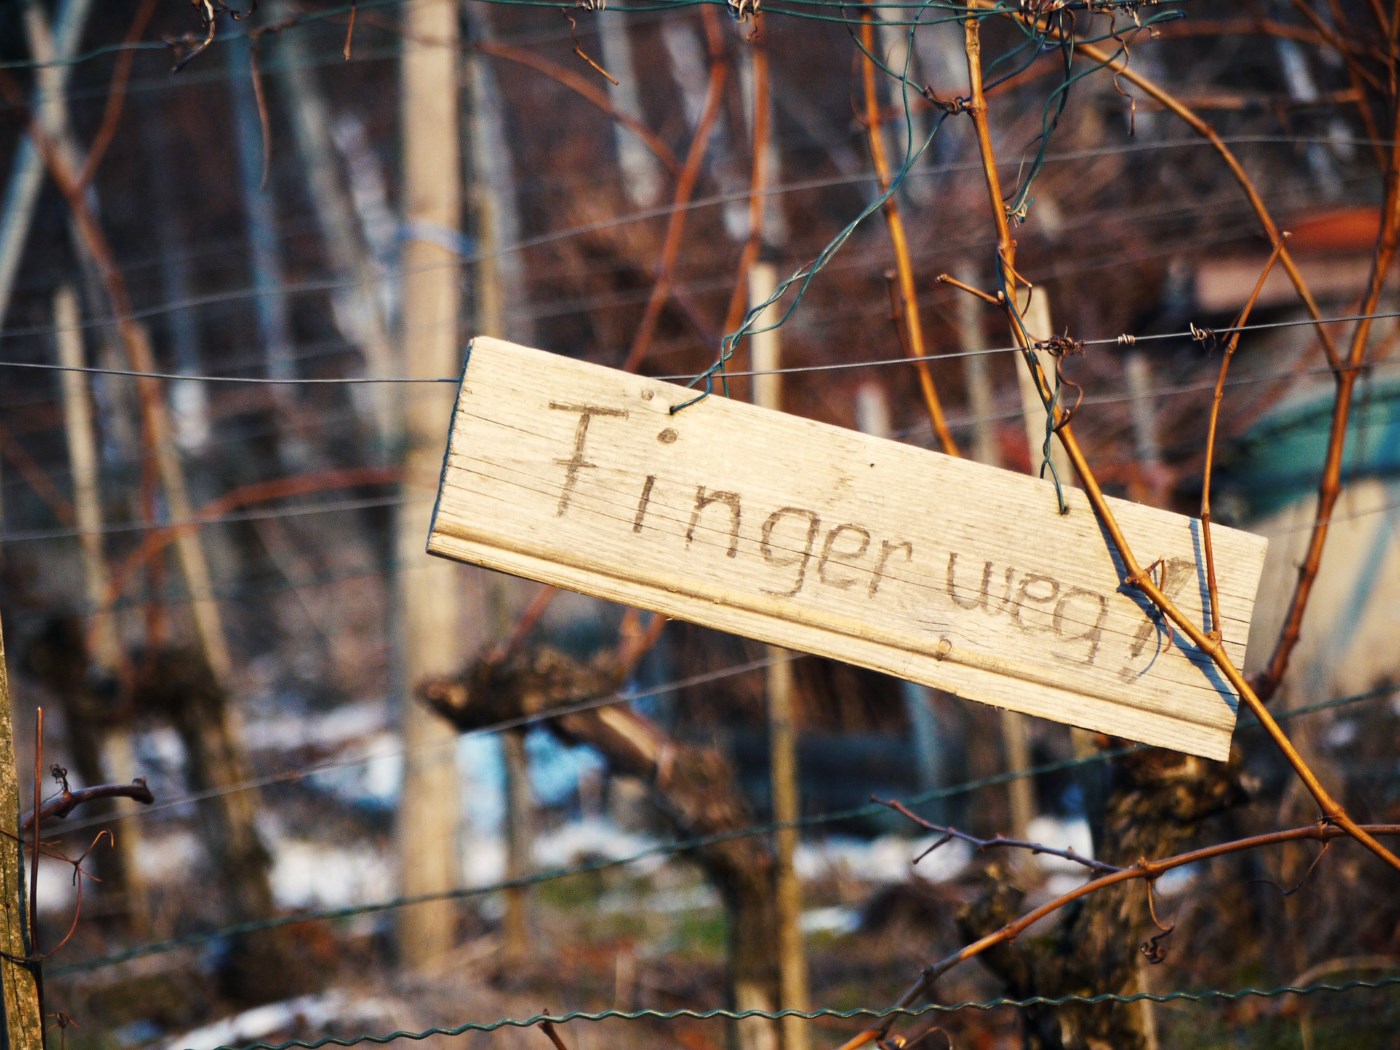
pixel 805 535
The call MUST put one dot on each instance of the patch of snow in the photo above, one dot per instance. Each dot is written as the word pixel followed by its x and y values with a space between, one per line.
pixel 1061 833
pixel 484 860
pixel 332 729
pixel 162 855
pixel 837 920
pixel 368 773
pixel 57 895
pixel 311 874
pixel 885 860
pixel 593 838
pixel 662 902
pixel 308 1011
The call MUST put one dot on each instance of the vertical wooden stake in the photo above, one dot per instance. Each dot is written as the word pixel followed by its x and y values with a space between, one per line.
pixel 977 375
pixel 429 596
pixel 1149 481
pixel 515 945
pixel 782 737
pixel 24 1025
pixel 87 508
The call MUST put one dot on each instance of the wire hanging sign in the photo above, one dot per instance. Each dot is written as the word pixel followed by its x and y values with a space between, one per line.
pixel 820 539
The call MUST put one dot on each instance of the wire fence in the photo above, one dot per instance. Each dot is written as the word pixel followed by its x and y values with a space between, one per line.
pixel 661 850
pixel 227 302
pixel 861 1013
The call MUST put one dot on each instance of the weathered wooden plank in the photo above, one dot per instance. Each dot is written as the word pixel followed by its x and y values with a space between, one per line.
pixel 816 538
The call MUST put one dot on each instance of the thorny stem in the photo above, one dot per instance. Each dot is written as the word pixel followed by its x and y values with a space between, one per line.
pixel 904 268
pixel 1133 571
pixel 963 286
pixel 1213 590
pixel 578 50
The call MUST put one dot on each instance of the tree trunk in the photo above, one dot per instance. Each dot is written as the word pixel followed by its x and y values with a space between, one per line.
pixel 178 684
pixel 1159 799
pixel 693 787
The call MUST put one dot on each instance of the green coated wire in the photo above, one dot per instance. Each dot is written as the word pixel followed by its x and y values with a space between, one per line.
pixel 804 276
pixel 808 10
pixel 1206 995
pixel 661 849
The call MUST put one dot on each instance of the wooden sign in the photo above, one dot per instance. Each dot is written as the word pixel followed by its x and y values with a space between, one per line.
pixel 805 535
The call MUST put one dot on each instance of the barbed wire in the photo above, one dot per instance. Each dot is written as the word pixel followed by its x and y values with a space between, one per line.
pixel 667 849
pixel 1118 340
pixel 1217 206
pixel 957 422
pixel 238 295
pixel 811 10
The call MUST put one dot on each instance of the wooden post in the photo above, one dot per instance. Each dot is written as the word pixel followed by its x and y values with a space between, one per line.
pixel 520 815
pixel 1018 755
pixel 977 375
pixel 428 594
pixel 87 508
pixel 24 1028
pixel 782 737
pixel 1148 476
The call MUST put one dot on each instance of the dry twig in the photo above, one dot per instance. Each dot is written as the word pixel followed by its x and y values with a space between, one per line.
pixel 1134 575
pixel 1212 589
pixel 1147 870
pixel 894 222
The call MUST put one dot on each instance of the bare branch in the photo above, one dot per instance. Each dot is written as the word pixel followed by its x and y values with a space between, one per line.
pixel 982 845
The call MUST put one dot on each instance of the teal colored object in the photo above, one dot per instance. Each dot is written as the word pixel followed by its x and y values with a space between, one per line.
pixel 1280 459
